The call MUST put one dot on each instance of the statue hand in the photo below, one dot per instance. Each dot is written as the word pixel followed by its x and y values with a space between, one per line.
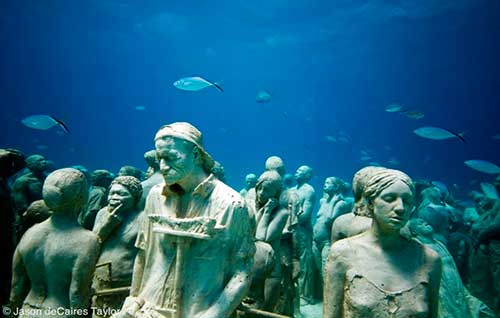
pixel 271 204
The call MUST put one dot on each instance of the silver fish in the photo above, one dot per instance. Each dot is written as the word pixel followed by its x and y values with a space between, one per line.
pixel 437 133
pixel 489 190
pixel 263 96
pixel 483 166
pixel 44 122
pixel 393 108
pixel 195 83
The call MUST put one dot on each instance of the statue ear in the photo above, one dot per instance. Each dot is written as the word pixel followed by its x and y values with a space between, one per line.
pixel 197 154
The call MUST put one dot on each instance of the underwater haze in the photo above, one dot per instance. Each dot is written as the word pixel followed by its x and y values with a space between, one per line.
pixel 107 68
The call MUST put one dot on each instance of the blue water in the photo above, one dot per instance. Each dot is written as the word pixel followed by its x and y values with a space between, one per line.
pixel 332 67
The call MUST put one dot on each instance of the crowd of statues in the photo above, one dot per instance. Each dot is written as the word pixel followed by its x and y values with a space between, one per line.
pixel 176 241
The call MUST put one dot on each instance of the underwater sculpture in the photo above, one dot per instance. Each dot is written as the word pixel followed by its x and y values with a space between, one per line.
pixel 358 221
pixel 402 279
pixel 455 301
pixel 130 171
pixel 98 197
pixel 303 233
pixel 488 249
pixel 195 245
pixel 28 187
pixel 37 212
pixel 271 219
pixel 433 210
pixel 116 226
pixel 11 162
pixel 250 182
pixel 152 162
pixel 152 178
pixel 289 300
pixel 54 261
pixel 332 205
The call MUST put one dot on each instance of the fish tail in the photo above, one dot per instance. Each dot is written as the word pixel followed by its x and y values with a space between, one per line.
pixel 218 86
pixel 61 124
pixel 459 135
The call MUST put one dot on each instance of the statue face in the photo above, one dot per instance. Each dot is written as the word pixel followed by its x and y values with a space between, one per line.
pixel 264 191
pixel 392 207
pixel 329 186
pixel 39 165
pixel 118 194
pixel 176 158
pixel 251 181
pixel 302 173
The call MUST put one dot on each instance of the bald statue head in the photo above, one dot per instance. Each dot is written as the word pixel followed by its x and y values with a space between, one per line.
pixel 65 191
pixel 275 163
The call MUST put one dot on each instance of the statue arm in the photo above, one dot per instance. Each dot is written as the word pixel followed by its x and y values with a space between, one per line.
pixel 434 283
pixel 82 273
pixel 20 281
pixel 277 225
pixel 137 273
pixel 240 266
pixel 335 279
pixel 307 207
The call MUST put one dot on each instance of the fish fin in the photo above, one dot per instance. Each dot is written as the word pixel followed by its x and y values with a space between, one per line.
pixel 61 124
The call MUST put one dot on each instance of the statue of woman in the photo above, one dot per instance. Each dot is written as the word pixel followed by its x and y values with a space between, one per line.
pixel 380 273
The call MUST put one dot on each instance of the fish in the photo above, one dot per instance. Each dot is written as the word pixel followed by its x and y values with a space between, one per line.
pixel 496 137
pixel 393 108
pixel 195 83
pixel 140 107
pixel 393 161
pixel 331 138
pixel 44 122
pixel 489 190
pixel 343 139
pixel 42 147
pixel 483 166
pixel 437 133
pixel 413 114
pixel 263 96
pixel 366 158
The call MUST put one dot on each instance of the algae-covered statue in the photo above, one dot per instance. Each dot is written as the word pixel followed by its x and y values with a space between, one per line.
pixel 380 273
pixel 332 205
pixel 98 197
pixel 117 226
pixel 358 221
pixel 455 301
pixel 54 261
pixel 28 187
pixel 271 219
pixel 303 234
pixel 250 182
pixel 195 244
pixel 11 162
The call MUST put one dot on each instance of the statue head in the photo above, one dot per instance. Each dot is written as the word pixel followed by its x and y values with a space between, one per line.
pixel 36 163
pixel 179 148
pixel 358 187
pixel 275 163
pixel 125 191
pixel 250 181
pixel 420 228
pixel 268 186
pixel 130 171
pixel 11 162
pixel 333 185
pixel 218 171
pixel 390 194
pixel 102 178
pixel 65 191
pixel 303 174
pixel 152 159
